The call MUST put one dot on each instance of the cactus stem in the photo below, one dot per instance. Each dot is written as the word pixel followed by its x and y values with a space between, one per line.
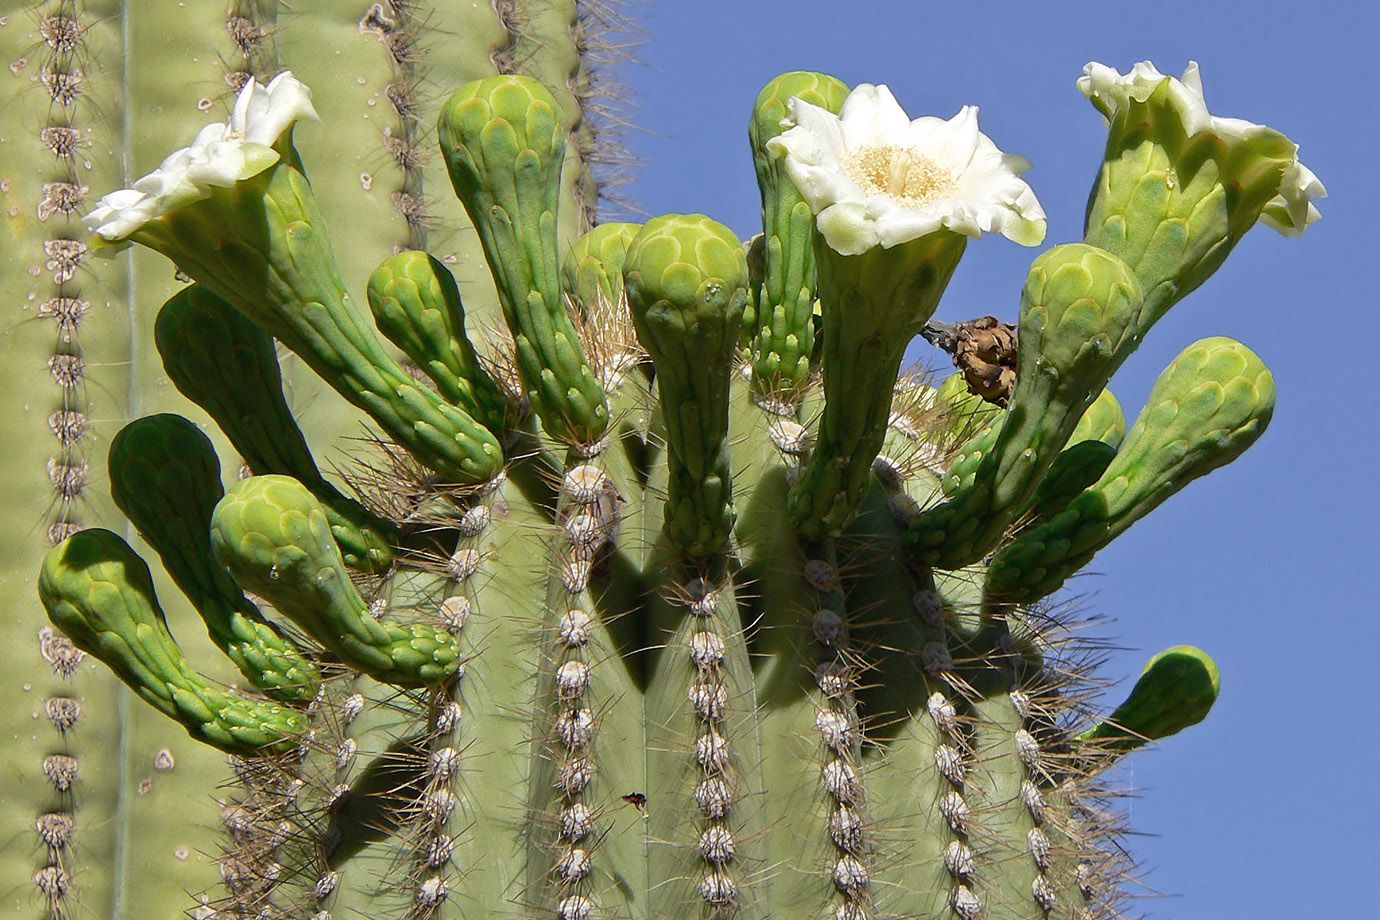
pixel 59 63
pixel 432 841
pixel 399 26
pixel 703 754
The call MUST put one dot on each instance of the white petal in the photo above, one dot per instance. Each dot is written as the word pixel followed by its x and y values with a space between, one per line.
pixel 871 117
pixel 1112 91
pixel 289 100
pixel 821 124
pixel 811 151
pixel 120 213
pixel 823 185
pixel 221 154
pixel 1193 80
pixel 896 225
pixel 248 104
pixel 848 228
pixel 950 144
pixel 262 113
pixel 1236 128
pixel 989 194
pixel 1292 210
pixel 211 134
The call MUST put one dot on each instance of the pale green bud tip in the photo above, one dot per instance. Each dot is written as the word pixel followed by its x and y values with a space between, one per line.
pixel 604 243
pixel 1187 660
pixel 1076 271
pixel 71 568
pixel 1103 421
pixel 487 111
pixel 594 264
pixel 1176 689
pixel 260 517
pixel 1222 395
pixel 1073 294
pixel 772 105
pixel 689 261
pixel 274 493
pixel 414 272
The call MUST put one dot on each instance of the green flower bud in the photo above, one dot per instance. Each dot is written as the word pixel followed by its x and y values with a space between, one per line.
pixel 1212 402
pixel 416 304
pixel 228 365
pixel 274 538
pixel 165 477
pixel 1177 688
pixel 1179 187
pixel 873 304
pixel 100 594
pixel 783 323
pixel 593 269
pixel 503 140
pixel 1078 322
pixel 686 278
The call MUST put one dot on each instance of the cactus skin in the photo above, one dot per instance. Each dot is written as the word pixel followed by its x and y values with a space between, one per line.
pixel 596 691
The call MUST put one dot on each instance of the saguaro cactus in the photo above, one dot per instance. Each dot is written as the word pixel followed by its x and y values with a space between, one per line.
pixel 96 93
pixel 677 603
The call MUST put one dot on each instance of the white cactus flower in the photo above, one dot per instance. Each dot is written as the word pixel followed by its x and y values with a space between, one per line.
pixel 220 155
pixel 873 177
pixel 1290 211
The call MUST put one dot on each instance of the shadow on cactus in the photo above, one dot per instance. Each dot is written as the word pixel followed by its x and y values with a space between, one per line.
pixel 691 604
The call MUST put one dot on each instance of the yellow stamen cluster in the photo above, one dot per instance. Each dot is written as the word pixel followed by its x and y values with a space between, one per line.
pixel 900 173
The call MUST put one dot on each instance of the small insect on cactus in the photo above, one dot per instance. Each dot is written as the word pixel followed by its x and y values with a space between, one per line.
pixel 687 602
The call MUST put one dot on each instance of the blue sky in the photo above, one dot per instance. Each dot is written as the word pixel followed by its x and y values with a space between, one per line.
pixel 1270 564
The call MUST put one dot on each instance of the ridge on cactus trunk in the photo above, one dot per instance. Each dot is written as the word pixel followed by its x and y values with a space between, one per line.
pixel 682 599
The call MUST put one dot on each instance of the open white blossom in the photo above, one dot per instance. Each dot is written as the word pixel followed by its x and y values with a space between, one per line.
pixel 872 176
pixel 220 155
pixel 1290 211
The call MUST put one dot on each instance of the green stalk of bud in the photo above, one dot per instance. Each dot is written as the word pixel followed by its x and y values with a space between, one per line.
pixel 503 139
pixel 226 364
pixel 272 535
pixel 874 304
pixel 1078 322
pixel 100 593
pixel 1212 402
pixel 783 329
pixel 686 278
pixel 416 304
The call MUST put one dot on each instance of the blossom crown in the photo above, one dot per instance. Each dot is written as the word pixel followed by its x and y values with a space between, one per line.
pixel 1289 212
pixel 222 154
pixel 874 177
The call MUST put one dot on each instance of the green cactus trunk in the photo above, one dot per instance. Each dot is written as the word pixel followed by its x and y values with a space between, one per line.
pixel 668 604
pixel 97 92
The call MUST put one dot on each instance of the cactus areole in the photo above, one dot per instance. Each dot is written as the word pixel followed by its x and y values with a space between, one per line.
pixel 683 600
